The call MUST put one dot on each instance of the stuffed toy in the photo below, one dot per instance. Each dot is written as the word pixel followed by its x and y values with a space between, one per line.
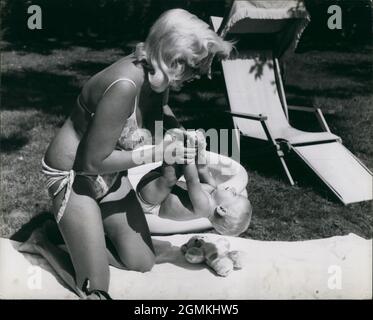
pixel 215 254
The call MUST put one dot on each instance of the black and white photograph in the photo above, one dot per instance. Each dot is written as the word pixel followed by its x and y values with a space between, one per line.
pixel 189 150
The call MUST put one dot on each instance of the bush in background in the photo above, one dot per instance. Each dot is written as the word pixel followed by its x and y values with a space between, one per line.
pixel 118 21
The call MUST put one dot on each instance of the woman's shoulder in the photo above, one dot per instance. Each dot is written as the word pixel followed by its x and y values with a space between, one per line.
pixel 122 73
pixel 123 86
pixel 126 69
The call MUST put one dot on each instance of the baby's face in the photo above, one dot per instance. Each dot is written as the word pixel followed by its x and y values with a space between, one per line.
pixel 225 196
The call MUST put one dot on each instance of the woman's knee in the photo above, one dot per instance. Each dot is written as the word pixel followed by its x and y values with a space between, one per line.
pixel 140 261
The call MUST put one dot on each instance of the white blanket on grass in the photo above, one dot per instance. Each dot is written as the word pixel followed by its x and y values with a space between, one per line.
pixel 333 268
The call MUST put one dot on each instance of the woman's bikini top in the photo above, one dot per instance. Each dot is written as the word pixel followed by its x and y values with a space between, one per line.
pixel 131 136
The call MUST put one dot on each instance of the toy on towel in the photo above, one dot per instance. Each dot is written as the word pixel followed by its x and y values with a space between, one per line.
pixel 215 254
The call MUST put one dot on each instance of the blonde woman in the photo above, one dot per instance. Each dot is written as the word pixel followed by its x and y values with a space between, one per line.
pixel 87 161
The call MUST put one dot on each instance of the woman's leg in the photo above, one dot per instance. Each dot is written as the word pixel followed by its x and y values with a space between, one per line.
pixel 57 255
pixel 82 229
pixel 59 259
pixel 126 227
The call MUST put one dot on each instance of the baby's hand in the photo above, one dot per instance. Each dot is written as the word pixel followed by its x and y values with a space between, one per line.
pixel 196 139
pixel 201 140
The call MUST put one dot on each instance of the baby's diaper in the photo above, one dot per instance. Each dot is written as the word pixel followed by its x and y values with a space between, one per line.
pixel 147 207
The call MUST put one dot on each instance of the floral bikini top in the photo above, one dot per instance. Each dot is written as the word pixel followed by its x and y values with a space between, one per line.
pixel 131 136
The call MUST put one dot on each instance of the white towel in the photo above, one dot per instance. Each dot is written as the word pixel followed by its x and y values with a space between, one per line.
pixel 334 268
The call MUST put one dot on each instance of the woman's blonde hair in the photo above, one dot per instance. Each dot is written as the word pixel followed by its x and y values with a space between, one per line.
pixel 179 43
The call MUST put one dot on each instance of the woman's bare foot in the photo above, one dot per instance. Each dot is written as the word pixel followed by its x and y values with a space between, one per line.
pixel 34 243
pixel 86 294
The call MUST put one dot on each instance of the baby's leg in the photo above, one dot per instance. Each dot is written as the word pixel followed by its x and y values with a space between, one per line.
pixel 156 185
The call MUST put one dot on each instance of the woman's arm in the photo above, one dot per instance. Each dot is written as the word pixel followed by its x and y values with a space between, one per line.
pixel 159 225
pixel 96 152
pixel 169 119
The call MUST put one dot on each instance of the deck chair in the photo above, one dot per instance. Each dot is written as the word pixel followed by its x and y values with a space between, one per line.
pixel 264 31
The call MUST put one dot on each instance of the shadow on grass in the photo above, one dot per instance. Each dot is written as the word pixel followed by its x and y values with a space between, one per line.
pixel 36 222
pixel 357 71
pixel 14 142
pixel 48 92
pixel 53 91
pixel 336 92
pixel 306 46
pixel 47 46
pixel 257 156
pixel 88 68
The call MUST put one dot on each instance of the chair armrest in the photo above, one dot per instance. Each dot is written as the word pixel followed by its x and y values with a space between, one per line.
pixel 302 108
pixel 258 117
pixel 311 109
pixel 317 111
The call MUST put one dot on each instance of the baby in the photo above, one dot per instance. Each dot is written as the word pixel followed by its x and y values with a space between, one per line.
pixel 160 193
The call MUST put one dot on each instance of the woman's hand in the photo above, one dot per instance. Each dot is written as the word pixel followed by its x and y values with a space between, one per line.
pixel 173 150
pixel 197 139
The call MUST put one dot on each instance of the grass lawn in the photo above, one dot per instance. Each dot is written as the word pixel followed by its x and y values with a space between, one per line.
pixel 39 87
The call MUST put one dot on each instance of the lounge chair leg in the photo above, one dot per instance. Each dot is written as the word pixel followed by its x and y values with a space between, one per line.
pixel 283 163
